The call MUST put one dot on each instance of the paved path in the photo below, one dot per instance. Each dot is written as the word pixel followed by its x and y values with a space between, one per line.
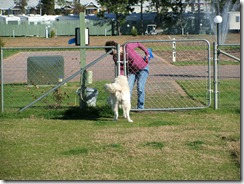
pixel 15 67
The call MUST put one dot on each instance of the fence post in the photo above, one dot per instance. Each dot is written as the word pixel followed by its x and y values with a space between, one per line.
pixel 215 63
pixel 1 73
pixel 118 60
pixel 83 80
pixel 174 50
pixel 46 32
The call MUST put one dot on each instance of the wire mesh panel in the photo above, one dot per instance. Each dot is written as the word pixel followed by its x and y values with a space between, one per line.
pixel 229 77
pixel 24 83
pixel 40 70
pixel 179 75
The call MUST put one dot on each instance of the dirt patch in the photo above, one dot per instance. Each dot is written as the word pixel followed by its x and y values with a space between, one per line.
pixel 235 151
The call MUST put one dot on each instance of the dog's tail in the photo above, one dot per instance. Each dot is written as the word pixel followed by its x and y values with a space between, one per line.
pixel 113 88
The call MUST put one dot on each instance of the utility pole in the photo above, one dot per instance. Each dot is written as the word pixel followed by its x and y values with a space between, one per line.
pixel 40 4
pixel 141 17
pixel 199 16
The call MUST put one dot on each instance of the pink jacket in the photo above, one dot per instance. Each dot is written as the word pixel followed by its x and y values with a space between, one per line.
pixel 135 60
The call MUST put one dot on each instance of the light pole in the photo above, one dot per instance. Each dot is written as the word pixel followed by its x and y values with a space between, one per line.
pixel 217 20
pixel 40 6
pixel 141 17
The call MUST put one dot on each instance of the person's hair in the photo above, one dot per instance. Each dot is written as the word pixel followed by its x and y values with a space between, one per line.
pixel 110 43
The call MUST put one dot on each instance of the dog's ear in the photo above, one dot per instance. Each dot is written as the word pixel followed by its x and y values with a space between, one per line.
pixel 113 88
pixel 106 86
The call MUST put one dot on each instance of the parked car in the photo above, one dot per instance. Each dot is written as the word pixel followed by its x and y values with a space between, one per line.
pixel 151 29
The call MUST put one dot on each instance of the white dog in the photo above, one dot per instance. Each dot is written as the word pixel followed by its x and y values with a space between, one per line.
pixel 119 96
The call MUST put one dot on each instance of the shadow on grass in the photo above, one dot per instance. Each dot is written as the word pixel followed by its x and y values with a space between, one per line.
pixel 102 113
pixel 89 113
pixel 76 151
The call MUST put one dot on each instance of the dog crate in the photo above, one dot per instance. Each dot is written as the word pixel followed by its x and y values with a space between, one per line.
pixel 45 70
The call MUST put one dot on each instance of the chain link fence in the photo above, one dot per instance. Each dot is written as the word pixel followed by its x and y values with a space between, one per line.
pixel 28 73
pixel 229 77
pixel 179 76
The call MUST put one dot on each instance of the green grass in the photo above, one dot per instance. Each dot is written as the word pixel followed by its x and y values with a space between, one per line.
pixel 184 145
pixel 69 143
pixel 18 96
pixel 191 63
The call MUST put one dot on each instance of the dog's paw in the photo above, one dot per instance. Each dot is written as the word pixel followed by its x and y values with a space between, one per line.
pixel 130 120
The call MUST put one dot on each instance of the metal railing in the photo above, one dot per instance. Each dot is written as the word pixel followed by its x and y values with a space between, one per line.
pixel 226 60
pixel 179 76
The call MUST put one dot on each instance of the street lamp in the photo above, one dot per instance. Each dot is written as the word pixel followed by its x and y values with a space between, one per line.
pixel 218 19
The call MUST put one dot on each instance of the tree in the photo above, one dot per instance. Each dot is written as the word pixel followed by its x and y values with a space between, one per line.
pixel 178 7
pixel 157 4
pixel 61 3
pixel 221 4
pixel 168 19
pixel 65 7
pixel 48 7
pixel 22 4
pixel 170 14
pixel 78 7
pixel 121 8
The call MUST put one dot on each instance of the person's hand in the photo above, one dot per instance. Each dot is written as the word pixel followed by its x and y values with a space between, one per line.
pixel 147 58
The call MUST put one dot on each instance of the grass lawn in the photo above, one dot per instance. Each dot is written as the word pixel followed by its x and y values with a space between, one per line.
pixel 64 142
pixel 77 144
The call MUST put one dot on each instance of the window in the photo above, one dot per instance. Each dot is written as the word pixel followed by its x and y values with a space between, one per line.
pixel 237 18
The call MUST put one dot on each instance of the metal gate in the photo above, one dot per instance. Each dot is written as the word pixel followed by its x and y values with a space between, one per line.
pixel 226 59
pixel 179 76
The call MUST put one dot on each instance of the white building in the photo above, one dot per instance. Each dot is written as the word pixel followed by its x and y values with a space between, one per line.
pixel 10 7
pixel 10 19
pixel 234 20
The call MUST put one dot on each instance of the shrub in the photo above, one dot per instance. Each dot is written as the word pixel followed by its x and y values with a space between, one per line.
pixel 53 34
pixel 134 31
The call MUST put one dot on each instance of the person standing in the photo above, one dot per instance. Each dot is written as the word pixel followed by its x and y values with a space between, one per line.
pixel 137 66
